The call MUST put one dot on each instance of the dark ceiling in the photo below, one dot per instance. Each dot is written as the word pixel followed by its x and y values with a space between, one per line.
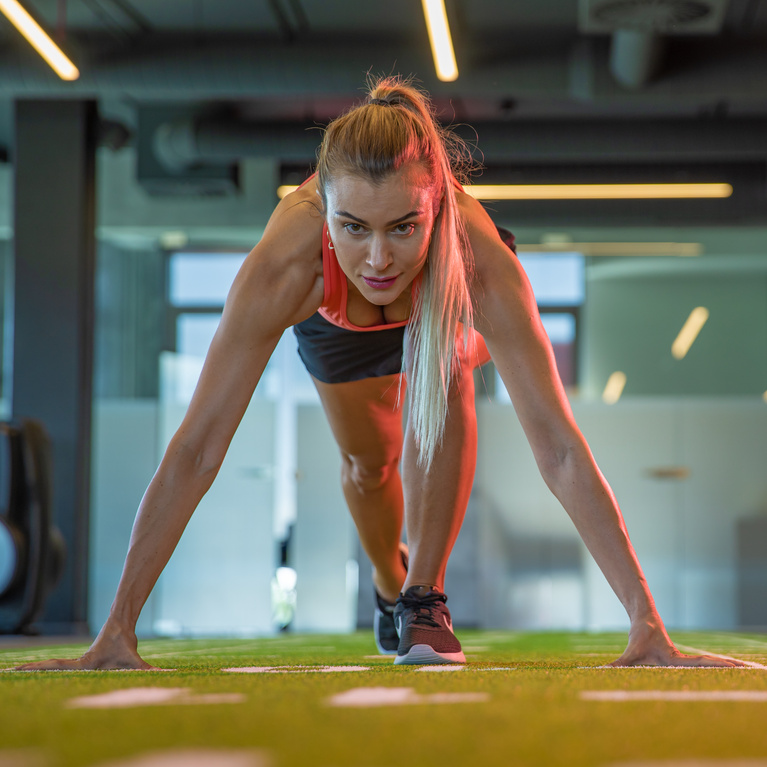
pixel 546 83
pixel 299 59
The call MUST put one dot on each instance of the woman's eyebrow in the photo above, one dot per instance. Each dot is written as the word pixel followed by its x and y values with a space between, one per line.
pixel 412 214
pixel 346 214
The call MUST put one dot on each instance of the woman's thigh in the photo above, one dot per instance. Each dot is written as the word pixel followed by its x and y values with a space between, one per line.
pixel 365 417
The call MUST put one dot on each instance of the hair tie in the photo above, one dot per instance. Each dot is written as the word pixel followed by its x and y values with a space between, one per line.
pixel 381 102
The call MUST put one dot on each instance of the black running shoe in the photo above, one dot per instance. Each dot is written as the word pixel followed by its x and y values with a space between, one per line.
pixel 425 628
pixel 387 639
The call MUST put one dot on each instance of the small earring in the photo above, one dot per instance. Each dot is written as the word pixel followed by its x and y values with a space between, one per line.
pixel 330 245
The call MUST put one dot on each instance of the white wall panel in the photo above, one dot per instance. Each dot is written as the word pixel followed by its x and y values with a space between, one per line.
pixel 124 460
pixel 324 546
pixel 218 580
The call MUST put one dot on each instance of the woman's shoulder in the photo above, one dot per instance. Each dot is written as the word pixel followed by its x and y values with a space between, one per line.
pixel 479 225
pixel 292 238
pixel 469 207
pixel 285 267
pixel 298 216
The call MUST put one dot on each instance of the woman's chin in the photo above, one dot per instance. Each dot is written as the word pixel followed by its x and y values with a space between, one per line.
pixel 380 296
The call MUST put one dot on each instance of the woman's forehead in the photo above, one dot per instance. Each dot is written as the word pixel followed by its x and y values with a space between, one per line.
pixel 408 188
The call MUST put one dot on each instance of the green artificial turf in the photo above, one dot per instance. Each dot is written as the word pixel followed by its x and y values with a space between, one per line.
pixel 531 711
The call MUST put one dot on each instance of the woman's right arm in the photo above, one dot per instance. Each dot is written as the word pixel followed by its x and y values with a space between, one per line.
pixel 279 285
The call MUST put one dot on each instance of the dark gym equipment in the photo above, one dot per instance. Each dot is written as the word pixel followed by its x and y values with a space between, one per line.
pixel 32 550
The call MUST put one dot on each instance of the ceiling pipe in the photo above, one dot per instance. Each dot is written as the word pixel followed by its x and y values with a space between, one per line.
pixel 636 56
pixel 179 144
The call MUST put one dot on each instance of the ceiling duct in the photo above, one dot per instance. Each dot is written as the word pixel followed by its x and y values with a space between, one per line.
pixel 181 143
pixel 639 29
pixel 184 153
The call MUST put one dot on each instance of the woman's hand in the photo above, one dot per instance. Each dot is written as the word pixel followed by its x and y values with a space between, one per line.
pixel 112 649
pixel 650 645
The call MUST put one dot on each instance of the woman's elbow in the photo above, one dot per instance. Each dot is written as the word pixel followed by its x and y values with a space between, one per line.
pixel 559 461
pixel 197 462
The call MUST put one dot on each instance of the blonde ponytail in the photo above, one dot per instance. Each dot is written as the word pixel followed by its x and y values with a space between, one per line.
pixel 395 126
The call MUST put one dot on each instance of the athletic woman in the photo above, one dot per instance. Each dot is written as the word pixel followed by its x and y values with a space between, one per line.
pixel 381 261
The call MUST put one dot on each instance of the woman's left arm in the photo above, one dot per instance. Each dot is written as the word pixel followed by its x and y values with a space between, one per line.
pixel 507 316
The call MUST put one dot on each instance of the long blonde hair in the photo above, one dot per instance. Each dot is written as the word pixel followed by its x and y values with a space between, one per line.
pixel 393 127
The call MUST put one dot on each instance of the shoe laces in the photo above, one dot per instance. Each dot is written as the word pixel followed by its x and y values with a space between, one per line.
pixel 423 607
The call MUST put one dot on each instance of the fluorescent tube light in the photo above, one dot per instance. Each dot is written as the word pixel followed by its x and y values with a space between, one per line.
pixel 596 191
pixel 39 40
pixel 689 332
pixel 614 387
pixel 586 192
pixel 615 248
pixel 285 189
pixel 441 42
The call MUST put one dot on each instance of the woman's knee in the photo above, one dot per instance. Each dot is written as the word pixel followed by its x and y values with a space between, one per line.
pixel 368 475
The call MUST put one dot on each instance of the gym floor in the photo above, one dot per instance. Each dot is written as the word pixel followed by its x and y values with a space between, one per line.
pixel 328 700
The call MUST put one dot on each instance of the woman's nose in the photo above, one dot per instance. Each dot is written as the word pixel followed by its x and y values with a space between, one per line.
pixel 379 255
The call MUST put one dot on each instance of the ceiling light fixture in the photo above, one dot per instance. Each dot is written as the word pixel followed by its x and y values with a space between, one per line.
pixel 614 387
pixel 440 39
pixel 689 332
pixel 615 248
pixel 592 192
pixel 285 189
pixel 597 191
pixel 39 40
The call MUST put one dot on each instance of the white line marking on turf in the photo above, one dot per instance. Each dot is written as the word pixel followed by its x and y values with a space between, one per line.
pixel 151 696
pixel 293 669
pixel 369 697
pixel 336 669
pixel 441 667
pixel 751 696
pixel 195 758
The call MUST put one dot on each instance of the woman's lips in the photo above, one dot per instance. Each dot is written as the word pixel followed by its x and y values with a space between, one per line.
pixel 379 283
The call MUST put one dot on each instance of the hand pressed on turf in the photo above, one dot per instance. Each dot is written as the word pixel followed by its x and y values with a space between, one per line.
pixel 650 645
pixel 112 649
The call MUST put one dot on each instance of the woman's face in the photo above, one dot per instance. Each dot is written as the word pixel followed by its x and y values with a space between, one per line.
pixel 381 232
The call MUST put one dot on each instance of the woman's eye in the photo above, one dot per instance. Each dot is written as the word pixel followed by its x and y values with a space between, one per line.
pixel 353 228
pixel 404 228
